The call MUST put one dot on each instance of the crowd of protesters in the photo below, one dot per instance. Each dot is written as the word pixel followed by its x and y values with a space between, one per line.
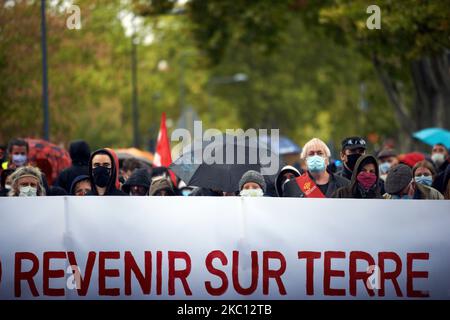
pixel 385 175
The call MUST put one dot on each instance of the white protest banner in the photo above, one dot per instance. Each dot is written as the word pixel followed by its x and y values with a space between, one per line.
pixel 223 248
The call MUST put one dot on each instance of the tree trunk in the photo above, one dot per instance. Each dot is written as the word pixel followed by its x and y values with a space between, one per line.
pixel 431 77
pixel 431 107
pixel 401 111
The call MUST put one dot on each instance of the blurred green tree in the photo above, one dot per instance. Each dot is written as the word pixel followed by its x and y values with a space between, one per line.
pixel 313 68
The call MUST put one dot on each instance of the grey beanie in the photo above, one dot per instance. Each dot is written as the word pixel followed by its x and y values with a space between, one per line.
pixel 398 178
pixel 253 176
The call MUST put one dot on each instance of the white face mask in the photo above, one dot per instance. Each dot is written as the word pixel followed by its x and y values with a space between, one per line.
pixel 251 193
pixel 438 158
pixel 27 191
pixel 19 159
pixel 8 186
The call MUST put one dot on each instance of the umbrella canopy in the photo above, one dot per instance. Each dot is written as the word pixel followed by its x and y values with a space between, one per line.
pixel 219 164
pixel 125 153
pixel 284 145
pixel 432 136
pixel 48 157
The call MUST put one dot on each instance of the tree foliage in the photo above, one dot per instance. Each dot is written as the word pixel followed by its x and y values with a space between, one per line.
pixel 313 67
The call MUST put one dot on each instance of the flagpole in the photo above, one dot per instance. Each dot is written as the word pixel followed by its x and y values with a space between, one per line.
pixel 44 73
pixel 136 140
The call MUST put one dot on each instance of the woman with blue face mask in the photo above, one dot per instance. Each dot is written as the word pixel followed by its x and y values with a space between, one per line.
pixel 424 173
pixel 402 185
pixel 316 155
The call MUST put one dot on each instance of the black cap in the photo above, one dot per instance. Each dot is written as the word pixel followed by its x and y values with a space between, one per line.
pixel 353 143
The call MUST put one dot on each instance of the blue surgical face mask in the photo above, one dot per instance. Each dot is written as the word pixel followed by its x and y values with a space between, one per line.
pixel 186 192
pixel 315 163
pixel 403 197
pixel 384 167
pixel 425 180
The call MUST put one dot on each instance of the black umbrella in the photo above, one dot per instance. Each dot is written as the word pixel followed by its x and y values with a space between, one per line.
pixel 219 164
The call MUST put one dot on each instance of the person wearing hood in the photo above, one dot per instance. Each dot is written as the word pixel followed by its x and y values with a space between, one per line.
pixel 161 186
pixel 441 160
pixel 138 184
pixel 103 174
pixel 364 183
pixel 79 153
pixel 252 184
pixel 352 149
pixel 446 183
pixel 81 186
pixel 286 173
pixel 317 155
pixel 401 185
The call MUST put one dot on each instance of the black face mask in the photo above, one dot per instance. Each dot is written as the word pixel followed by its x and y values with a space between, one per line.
pixel 101 176
pixel 351 160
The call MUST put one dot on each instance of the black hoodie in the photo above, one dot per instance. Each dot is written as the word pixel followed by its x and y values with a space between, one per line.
pixel 440 182
pixel 353 190
pixel 79 153
pixel 345 172
pixel 75 181
pixel 139 177
pixel 111 189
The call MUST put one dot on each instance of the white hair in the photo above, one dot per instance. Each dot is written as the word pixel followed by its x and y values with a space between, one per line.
pixel 315 143
pixel 22 172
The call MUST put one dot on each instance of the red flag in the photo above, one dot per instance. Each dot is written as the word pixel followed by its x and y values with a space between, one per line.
pixel 308 187
pixel 163 156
